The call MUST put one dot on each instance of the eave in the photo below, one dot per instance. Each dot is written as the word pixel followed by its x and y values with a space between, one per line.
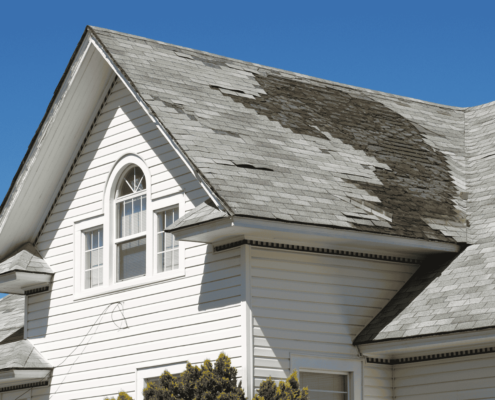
pixel 225 229
pixel 431 344
pixel 15 376
pixel 19 282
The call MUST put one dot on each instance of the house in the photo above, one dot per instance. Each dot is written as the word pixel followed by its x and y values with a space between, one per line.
pixel 174 204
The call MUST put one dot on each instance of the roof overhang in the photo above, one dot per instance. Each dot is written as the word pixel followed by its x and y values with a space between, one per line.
pixel 18 282
pixel 425 345
pixel 13 376
pixel 54 147
pixel 225 229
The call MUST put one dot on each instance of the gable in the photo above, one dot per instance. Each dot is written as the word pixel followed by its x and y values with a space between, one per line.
pixel 122 127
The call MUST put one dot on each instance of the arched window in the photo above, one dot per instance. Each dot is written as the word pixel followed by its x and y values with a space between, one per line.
pixel 131 206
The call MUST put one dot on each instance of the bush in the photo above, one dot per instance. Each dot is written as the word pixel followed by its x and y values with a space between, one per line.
pixel 288 390
pixel 217 383
pixel 122 396
pixel 205 383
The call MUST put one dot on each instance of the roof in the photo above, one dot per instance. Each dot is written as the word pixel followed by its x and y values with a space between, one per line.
pixel 205 212
pixel 284 146
pixel 27 259
pixel 16 352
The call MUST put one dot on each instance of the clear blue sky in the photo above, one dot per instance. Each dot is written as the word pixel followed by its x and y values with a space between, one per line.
pixel 439 51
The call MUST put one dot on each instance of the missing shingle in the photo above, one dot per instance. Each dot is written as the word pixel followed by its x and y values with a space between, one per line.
pixel 192 117
pixel 249 166
pixel 183 55
pixel 226 133
pixel 226 88
pixel 325 151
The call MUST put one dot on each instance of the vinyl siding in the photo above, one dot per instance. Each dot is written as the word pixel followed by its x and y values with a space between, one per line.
pixel 464 378
pixel 378 382
pixel 188 318
pixel 310 303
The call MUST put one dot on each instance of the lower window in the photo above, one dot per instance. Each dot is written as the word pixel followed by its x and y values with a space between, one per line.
pixel 325 386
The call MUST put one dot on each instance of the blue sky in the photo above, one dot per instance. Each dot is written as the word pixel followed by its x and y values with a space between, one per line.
pixel 439 51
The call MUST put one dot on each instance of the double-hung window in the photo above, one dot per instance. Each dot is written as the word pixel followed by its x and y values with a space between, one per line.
pixel 325 386
pixel 130 241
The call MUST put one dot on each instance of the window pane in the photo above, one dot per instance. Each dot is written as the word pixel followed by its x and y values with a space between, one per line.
pixel 93 258
pixel 132 216
pixel 132 182
pixel 167 246
pixel 132 258
pixel 325 386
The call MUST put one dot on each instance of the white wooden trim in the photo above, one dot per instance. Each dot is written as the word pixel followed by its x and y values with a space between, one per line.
pixel 338 364
pixel 158 124
pixel 315 236
pixel 441 343
pixel 80 227
pixel 247 322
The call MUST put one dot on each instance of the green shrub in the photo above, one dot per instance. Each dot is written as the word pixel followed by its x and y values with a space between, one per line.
pixel 217 383
pixel 122 396
pixel 195 383
pixel 288 390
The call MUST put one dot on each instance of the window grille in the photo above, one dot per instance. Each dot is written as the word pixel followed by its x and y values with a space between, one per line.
pixel 93 270
pixel 167 245
pixel 131 225
pixel 325 386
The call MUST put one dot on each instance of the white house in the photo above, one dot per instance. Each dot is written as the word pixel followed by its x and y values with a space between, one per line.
pixel 174 204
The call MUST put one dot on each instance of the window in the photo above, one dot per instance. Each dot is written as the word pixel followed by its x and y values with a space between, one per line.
pixel 131 225
pixel 167 246
pixel 93 268
pixel 329 377
pixel 151 373
pixel 125 245
pixel 325 386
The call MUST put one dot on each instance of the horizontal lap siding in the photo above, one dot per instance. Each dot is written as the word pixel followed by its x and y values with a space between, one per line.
pixel 378 382
pixel 310 303
pixel 464 378
pixel 189 318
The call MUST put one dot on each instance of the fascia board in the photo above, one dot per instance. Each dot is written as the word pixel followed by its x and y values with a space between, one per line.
pixel 398 348
pixel 16 282
pixel 117 70
pixel 291 233
pixel 17 375
pixel 59 122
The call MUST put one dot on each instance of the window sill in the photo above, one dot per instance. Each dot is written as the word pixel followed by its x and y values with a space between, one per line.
pixel 129 284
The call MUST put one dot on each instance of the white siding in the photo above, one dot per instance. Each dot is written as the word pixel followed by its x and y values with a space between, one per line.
pixel 314 303
pixel 378 382
pixel 189 318
pixel 464 378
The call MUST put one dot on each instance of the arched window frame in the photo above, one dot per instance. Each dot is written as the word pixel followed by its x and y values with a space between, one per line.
pixel 107 220
pixel 111 216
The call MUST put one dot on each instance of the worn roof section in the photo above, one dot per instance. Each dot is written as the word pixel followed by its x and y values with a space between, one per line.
pixel 205 212
pixel 458 295
pixel 16 352
pixel 284 146
pixel 27 259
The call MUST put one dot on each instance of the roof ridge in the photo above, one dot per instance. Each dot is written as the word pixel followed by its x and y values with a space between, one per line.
pixel 296 74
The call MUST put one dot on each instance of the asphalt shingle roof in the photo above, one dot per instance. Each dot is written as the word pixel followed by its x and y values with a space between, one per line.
pixel 205 212
pixel 285 146
pixel 26 259
pixel 14 350
pixel 280 145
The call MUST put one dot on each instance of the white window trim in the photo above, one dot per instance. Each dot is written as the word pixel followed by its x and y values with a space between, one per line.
pixel 110 284
pixel 338 364
pixel 154 371
pixel 80 228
